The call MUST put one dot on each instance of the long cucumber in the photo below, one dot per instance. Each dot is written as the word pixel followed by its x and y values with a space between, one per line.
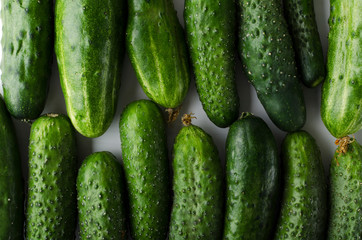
pixel 11 180
pixel 89 46
pixel 27 43
pixel 52 205
pixel 157 49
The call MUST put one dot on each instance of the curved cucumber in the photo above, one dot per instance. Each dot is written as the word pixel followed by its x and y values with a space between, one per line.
pixel 52 204
pixel 27 44
pixel 304 204
pixel 345 220
pixel 197 211
pixel 156 47
pixel 11 180
pixel 267 56
pixel 341 106
pixel 210 28
pixel 89 48
pixel 100 190
pixel 144 148
pixel 252 180
pixel 307 44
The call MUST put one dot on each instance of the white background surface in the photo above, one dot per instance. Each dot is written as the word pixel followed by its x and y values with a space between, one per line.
pixel 131 90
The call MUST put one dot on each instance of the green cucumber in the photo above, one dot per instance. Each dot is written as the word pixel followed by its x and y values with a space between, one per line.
pixel 307 44
pixel 144 148
pixel 210 28
pixel 11 180
pixel 341 106
pixel 89 46
pixel 345 220
pixel 304 204
pixel 252 180
pixel 27 53
pixel 52 205
pixel 267 56
pixel 157 49
pixel 100 198
pixel 197 211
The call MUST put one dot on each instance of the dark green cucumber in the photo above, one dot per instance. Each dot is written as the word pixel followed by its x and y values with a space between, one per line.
pixel 304 205
pixel 267 56
pixel 345 220
pixel 11 180
pixel 52 205
pixel 100 198
pixel 307 44
pixel 252 180
pixel 89 47
pixel 157 49
pixel 210 28
pixel 197 211
pixel 144 149
pixel 341 106
pixel 27 45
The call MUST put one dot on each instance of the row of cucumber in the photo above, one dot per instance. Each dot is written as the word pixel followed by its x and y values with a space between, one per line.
pixel 264 197
pixel 89 45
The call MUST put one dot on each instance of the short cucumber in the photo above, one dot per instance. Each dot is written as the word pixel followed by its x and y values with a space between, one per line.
pixel 341 106
pixel 157 49
pixel 11 180
pixel 52 205
pixel 268 60
pixel 144 148
pixel 210 28
pixel 101 191
pixel 304 204
pixel 197 211
pixel 252 180
pixel 27 45
pixel 307 44
pixel 89 47
pixel 345 220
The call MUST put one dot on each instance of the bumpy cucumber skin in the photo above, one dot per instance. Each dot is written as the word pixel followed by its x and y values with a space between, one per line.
pixel 341 106
pixel 307 44
pixel 345 194
pixel 27 45
pixel 304 205
pixel 52 205
pixel 210 28
pixel 252 180
pixel 101 191
pixel 267 56
pixel 144 149
pixel 89 46
pixel 197 211
pixel 11 180
pixel 156 46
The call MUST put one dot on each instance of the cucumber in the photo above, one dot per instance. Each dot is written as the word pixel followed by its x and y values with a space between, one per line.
pixel 341 106
pixel 157 49
pixel 89 46
pixel 144 148
pixel 345 221
pixel 307 44
pixel 27 53
pixel 210 29
pixel 252 180
pixel 304 204
pixel 11 180
pixel 52 204
pixel 197 211
pixel 101 191
pixel 267 56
